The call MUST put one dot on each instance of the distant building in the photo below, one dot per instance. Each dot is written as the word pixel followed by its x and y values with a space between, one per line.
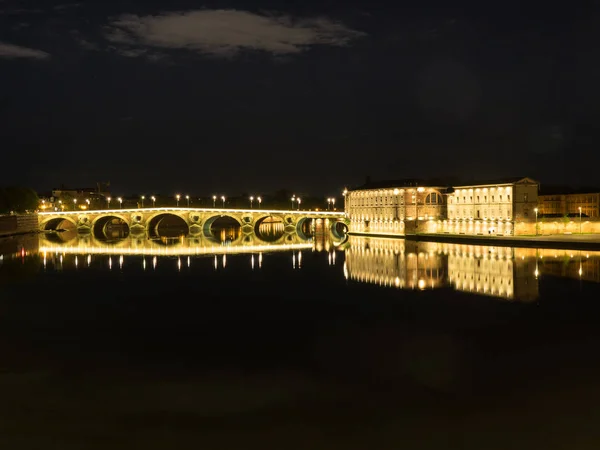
pixel 82 198
pixel 568 204
pixel 407 206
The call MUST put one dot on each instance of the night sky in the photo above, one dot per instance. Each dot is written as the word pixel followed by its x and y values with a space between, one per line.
pixel 232 97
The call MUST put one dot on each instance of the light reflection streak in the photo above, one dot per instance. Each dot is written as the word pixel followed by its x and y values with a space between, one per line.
pixel 168 251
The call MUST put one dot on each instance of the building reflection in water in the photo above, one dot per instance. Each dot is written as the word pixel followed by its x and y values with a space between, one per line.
pixel 504 272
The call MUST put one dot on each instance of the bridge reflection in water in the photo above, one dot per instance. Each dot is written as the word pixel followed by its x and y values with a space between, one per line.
pixel 504 272
pixel 501 272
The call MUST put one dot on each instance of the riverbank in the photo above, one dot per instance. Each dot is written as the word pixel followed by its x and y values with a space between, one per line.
pixel 571 241
pixel 16 224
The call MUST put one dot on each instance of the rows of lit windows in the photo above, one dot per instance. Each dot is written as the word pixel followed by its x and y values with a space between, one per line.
pixel 481 195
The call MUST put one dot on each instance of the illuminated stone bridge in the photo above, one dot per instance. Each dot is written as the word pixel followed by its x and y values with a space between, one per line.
pixel 196 221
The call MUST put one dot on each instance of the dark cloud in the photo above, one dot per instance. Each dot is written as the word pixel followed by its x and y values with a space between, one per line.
pixel 11 51
pixel 226 32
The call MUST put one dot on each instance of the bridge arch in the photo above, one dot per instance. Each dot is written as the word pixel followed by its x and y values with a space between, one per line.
pixel 339 229
pixel 110 226
pixel 269 227
pixel 172 224
pixel 59 223
pixel 225 219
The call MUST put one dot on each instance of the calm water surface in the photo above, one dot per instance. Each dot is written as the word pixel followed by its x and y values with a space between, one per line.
pixel 288 341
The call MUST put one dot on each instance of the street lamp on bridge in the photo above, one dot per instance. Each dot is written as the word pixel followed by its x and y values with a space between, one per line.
pixel 120 200
pixel 223 200
pixel 299 200
pixel 580 220
pixel 214 201
pixel 87 200
pixel 187 197
pixel 178 197
pixel 259 201
pixel 536 220
pixel 251 200
pixel 153 198
pixel 108 199
pixel 293 200
pixel 143 198
pixel 74 204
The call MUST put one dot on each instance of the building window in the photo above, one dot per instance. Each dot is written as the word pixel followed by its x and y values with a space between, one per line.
pixel 492 198
pixel 485 198
pixel 478 199
pixel 525 199
pixel 508 197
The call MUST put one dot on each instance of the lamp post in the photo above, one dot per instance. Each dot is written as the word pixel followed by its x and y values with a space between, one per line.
pixel 333 203
pixel 187 197
pixel 87 200
pixel 223 200
pixel 328 203
pixel 259 199
pixel 120 200
pixel 251 200
pixel 153 201
pixel 214 201
pixel 108 199
pixel 74 204
pixel 536 221
pixel 299 200
pixel 345 193
pixel 178 197
pixel 143 198
pixel 293 200
pixel 61 206
pixel 580 220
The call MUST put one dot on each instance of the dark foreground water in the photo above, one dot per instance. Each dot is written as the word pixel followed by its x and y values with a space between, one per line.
pixel 295 344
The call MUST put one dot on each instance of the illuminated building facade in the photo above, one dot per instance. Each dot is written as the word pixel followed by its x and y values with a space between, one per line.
pixel 491 208
pixel 389 207
pixel 401 208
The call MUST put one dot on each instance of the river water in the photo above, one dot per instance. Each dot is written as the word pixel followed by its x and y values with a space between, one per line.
pixel 290 341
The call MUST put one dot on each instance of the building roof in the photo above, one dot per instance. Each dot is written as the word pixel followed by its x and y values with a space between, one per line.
pixel 510 180
pixel 406 182
pixel 444 183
